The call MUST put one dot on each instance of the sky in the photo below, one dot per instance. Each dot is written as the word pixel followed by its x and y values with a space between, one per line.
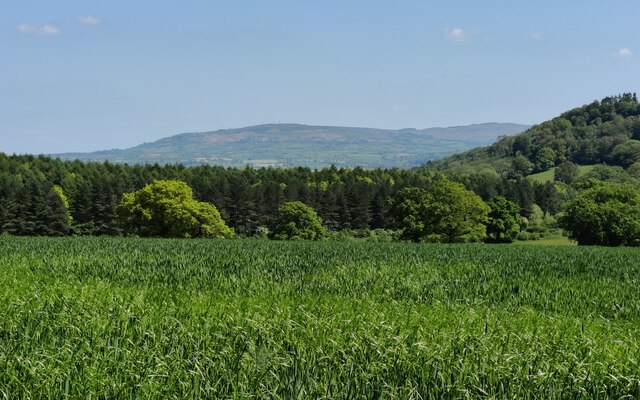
pixel 83 75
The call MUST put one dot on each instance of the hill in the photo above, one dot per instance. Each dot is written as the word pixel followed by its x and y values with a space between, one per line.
pixel 302 145
pixel 604 134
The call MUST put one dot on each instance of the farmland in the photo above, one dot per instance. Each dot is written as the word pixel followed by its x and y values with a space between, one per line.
pixel 158 318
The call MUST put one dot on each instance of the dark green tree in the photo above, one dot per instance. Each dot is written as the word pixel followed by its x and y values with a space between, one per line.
pixel 545 159
pixel 409 209
pixel 566 172
pixel 626 154
pixel 604 214
pixel 521 166
pixel 503 224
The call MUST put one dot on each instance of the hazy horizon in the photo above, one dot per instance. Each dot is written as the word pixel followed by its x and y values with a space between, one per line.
pixel 82 76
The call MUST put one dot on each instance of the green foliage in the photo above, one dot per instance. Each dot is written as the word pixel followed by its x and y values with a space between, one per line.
pixel 626 154
pixel 29 203
pixel 566 172
pixel 447 212
pixel 503 223
pixel 368 235
pixel 65 202
pixel 604 214
pixel 298 221
pixel 115 318
pixel 247 199
pixel 539 225
pixel 585 135
pixel 167 209
pixel 607 173
pixel 521 166
pixel 410 210
pixel 545 159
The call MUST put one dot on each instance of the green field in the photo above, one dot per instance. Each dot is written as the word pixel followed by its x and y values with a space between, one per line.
pixel 548 175
pixel 548 241
pixel 123 318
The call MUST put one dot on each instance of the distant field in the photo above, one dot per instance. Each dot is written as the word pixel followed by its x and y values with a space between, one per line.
pixel 553 241
pixel 547 175
pixel 123 318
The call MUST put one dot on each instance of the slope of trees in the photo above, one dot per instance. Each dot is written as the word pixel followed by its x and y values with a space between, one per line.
pixel 603 132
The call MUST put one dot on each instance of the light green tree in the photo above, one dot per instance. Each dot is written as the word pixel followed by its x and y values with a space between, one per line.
pixel 298 221
pixel 167 209
pixel 58 190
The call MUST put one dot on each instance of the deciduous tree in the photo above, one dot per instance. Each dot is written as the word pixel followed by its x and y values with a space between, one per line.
pixel 503 225
pixel 298 221
pixel 604 214
pixel 167 209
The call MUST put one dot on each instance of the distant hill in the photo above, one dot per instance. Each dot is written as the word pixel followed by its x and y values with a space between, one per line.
pixel 290 145
pixel 604 135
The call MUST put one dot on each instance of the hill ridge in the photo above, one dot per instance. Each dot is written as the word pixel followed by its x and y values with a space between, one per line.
pixel 316 146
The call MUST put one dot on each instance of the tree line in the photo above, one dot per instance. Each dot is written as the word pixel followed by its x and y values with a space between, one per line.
pixel 44 196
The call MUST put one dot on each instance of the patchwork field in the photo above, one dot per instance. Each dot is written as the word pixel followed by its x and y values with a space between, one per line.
pixel 123 318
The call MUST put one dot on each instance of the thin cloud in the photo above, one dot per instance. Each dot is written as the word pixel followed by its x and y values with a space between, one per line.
pixel 90 20
pixel 45 30
pixel 624 53
pixel 535 36
pixel 458 35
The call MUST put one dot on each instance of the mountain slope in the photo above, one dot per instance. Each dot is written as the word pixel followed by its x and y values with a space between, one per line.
pixel 302 145
pixel 605 132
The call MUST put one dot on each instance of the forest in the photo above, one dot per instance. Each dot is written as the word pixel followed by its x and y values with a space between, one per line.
pixel 49 197
pixel 605 132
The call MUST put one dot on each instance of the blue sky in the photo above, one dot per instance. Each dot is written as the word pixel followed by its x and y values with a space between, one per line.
pixel 89 75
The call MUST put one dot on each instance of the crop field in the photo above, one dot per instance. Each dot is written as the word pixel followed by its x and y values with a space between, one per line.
pixel 122 318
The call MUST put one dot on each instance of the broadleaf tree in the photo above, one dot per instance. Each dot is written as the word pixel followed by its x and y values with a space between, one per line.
pixel 298 221
pixel 503 224
pixel 447 212
pixel 167 209
pixel 604 214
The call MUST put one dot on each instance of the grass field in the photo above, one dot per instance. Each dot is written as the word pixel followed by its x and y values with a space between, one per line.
pixel 548 175
pixel 124 318
pixel 548 241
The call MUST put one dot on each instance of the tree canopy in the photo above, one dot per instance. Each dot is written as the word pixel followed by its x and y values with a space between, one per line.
pixel 604 214
pixel 298 221
pixel 503 224
pixel 447 212
pixel 167 209
pixel 605 131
